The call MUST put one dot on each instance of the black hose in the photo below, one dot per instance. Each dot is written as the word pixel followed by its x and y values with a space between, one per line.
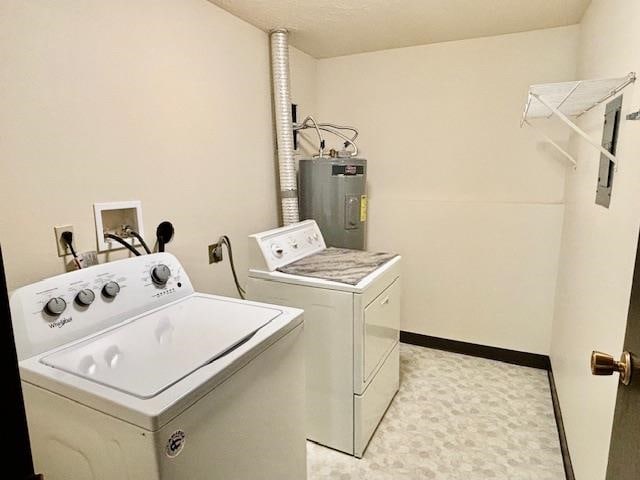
pixel 224 239
pixel 140 239
pixel 164 234
pixel 122 242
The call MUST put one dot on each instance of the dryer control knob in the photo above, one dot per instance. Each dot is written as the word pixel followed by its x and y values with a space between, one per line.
pixel 55 306
pixel 277 250
pixel 160 274
pixel 111 289
pixel 85 297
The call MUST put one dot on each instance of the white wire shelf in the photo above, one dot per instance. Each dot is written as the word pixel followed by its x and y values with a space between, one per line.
pixel 572 99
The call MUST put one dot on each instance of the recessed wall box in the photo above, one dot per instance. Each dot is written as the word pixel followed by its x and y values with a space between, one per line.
pixel 114 217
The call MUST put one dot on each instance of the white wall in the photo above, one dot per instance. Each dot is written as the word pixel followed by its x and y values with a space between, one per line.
pixel 598 246
pixel 304 71
pixel 304 90
pixel 164 101
pixel 472 202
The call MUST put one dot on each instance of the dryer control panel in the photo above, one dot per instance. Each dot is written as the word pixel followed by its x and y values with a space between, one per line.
pixel 61 309
pixel 275 248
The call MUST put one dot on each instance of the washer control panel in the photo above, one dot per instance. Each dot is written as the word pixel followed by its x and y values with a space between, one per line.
pixel 74 305
pixel 282 246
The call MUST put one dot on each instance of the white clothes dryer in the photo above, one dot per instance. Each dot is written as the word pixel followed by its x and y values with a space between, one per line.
pixel 351 301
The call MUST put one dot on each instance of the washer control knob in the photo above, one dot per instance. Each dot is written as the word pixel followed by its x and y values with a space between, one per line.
pixel 85 297
pixel 160 274
pixel 294 244
pixel 111 289
pixel 316 237
pixel 277 250
pixel 55 306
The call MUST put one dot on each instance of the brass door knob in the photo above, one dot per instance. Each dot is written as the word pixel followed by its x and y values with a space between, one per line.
pixel 604 364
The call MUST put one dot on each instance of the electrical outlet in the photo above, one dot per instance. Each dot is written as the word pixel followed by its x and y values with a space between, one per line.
pixel 63 250
pixel 215 253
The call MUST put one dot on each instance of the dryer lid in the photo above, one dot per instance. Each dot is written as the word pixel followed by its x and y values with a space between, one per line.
pixel 158 349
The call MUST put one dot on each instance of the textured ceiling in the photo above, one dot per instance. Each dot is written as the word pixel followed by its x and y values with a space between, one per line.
pixel 329 28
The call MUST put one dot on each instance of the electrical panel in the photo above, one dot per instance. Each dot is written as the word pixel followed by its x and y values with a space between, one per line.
pixel 606 171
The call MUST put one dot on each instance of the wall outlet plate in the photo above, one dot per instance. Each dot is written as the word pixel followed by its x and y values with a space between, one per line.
pixel 63 250
pixel 215 255
pixel 111 217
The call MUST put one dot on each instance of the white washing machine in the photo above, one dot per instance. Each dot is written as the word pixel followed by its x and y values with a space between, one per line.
pixel 130 374
pixel 351 301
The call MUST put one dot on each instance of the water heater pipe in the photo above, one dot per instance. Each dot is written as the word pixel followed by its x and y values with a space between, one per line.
pixel 284 125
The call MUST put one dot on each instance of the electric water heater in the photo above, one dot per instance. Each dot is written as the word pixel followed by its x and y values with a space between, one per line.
pixel 332 191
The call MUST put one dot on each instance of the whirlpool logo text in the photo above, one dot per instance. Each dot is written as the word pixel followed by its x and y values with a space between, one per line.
pixel 60 323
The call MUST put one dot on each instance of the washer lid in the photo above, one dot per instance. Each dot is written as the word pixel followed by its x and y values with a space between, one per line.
pixel 146 356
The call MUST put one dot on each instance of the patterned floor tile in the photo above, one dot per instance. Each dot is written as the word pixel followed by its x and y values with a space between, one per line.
pixel 456 418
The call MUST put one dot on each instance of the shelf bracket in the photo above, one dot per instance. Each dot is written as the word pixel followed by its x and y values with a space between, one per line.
pixel 566 97
pixel 575 128
pixel 566 154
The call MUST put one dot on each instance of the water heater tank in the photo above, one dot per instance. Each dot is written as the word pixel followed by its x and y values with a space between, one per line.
pixel 332 191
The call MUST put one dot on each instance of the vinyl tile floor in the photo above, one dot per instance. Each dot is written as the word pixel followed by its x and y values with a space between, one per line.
pixel 456 417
